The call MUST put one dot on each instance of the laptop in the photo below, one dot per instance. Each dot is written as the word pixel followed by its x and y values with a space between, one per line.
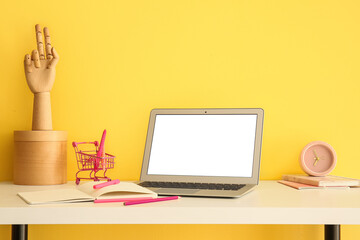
pixel 203 152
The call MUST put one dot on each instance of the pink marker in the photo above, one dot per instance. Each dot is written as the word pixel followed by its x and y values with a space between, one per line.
pixel 151 200
pixel 101 152
pixel 120 200
pixel 101 148
pixel 101 185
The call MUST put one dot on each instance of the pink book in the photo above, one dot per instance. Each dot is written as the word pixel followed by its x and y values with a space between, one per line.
pixel 298 186
pixel 327 181
pixel 301 186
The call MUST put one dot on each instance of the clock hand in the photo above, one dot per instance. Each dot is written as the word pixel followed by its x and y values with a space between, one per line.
pixel 315 154
pixel 316 158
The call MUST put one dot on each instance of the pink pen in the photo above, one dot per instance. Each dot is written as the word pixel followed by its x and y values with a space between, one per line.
pixel 120 200
pixel 101 185
pixel 150 200
pixel 101 152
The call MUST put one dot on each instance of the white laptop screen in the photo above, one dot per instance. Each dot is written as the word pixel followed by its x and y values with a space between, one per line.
pixel 203 145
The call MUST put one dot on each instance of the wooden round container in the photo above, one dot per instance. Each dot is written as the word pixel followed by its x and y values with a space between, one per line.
pixel 40 157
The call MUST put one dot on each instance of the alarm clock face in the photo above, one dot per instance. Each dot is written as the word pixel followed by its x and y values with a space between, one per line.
pixel 318 158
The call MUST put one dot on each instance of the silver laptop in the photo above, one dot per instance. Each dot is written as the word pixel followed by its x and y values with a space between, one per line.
pixel 203 152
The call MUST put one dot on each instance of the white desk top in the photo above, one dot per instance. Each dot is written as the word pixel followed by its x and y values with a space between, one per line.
pixel 269 203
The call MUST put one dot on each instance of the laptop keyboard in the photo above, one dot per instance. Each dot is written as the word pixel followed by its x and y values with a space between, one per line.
pixel 208 186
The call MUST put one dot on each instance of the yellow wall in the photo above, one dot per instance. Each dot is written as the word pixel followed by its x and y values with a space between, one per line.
pixel 299 60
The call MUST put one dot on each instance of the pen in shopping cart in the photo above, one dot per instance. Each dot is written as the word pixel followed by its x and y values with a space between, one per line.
pixel 101 152
pixel 101 185
pixel 151 200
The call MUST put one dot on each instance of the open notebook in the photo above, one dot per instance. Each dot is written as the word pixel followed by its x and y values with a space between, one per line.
pixel 86 193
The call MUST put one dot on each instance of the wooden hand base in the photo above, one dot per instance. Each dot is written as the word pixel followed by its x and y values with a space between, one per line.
pixel 40 157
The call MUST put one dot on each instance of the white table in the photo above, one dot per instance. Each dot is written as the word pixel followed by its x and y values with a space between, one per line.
pixel 269 203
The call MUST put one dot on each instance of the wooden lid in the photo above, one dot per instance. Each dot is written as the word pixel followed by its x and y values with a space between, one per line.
pixel 40 136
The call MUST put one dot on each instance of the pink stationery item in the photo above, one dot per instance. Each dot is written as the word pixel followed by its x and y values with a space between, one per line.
pixel 101 185
pixel 150 200
pixel 301 186
pixel 101 151
pixel 120 200
pixel 88 161
pixel 296 185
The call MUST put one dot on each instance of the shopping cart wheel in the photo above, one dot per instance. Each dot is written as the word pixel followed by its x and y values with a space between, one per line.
pixel 77 181
pixel 108 179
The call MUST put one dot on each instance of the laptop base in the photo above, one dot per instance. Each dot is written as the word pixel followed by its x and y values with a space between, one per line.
pixel 203 192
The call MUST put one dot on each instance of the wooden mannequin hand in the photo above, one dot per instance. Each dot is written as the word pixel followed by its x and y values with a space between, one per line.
pixel 40 76
pixel 40 72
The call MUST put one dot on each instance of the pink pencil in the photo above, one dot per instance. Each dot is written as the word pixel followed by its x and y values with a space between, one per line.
pixel 101 152
pixel 101 148
pixel 120 200
pixel 101 185
pixel 150 200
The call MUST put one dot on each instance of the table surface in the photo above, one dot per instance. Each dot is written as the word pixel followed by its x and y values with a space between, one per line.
pixel 269 203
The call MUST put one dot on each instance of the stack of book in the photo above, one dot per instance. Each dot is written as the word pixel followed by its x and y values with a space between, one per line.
pixel 310 182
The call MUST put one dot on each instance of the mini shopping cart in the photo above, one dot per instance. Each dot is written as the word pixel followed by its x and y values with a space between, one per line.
pixel 87 160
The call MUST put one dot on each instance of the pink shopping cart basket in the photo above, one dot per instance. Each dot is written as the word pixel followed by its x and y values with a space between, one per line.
pixel 87 160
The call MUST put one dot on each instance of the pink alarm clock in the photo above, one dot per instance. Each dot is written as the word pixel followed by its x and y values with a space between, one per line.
pixel 318 158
